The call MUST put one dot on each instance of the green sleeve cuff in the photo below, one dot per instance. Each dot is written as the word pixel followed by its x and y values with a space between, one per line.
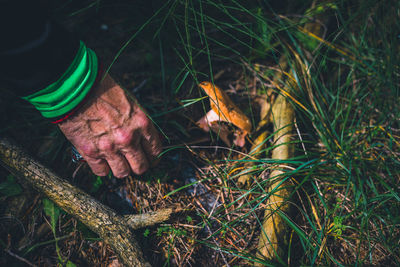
pixel 70 89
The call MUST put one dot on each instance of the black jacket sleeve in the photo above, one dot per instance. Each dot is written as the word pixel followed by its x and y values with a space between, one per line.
pixel 34 51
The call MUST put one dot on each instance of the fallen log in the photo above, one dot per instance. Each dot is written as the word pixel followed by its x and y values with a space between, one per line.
pixel 111 227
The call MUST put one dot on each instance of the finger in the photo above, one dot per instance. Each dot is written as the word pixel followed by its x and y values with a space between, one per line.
pixel 151 143
pixel 118 165
pixel 137 160
pixel 98 166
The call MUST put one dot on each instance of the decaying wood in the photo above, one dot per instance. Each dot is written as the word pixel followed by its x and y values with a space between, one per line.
pixel 274 229
pixel 274 234
pixel 110 226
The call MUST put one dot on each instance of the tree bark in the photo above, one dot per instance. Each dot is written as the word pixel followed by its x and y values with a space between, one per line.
pixel 110 226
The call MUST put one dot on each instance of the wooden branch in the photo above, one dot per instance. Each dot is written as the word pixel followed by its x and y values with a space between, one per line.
pixel 151 218
pixel 274 234
pixel 266 103
pixel 111 227
pixel 272 240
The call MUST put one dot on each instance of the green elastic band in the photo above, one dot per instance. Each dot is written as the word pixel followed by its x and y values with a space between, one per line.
pixel 67 92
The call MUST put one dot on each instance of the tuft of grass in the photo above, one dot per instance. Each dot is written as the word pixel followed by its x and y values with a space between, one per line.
pixel 346 170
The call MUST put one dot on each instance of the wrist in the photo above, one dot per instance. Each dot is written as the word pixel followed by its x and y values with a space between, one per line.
pixel 90 95
pixel 61 99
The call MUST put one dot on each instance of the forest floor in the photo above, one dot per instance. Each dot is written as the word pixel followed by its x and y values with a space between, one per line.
pixel 345 172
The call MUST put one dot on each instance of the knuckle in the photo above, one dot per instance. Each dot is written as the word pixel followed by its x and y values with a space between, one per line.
pixel 89 150
pixel 105 145
pixel 143 121
pixel 98 168
pixel 123 137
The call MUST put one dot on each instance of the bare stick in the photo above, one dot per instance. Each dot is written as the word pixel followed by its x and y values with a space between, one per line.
pixel 274 229
pixel 148 219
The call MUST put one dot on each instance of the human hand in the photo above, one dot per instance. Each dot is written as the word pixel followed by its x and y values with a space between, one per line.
pixel 111 131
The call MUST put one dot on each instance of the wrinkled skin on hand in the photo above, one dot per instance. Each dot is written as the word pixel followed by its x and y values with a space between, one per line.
pixel 111 131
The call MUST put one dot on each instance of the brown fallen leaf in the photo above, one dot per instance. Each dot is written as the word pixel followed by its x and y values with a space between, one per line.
pixel 223 109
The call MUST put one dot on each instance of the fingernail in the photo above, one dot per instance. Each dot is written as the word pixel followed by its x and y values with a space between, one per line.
pixel 125 174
